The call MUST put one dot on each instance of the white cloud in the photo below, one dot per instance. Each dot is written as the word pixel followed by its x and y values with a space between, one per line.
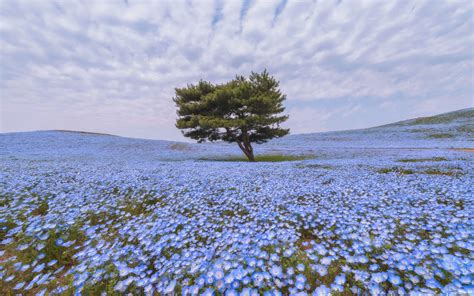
pixel 116 63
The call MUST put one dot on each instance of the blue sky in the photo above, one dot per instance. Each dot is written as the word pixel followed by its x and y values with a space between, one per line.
pixel 112 66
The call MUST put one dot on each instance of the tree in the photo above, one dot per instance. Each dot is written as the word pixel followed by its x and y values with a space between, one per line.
pixel 243 110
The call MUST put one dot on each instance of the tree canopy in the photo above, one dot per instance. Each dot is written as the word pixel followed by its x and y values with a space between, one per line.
pixel 243 110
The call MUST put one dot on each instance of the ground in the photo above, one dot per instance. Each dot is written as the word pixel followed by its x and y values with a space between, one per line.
pixel 96 213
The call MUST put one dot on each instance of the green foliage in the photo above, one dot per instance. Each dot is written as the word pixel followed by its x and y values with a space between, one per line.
pixel 243 110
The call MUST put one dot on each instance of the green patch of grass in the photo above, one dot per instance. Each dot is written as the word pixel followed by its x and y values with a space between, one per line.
pixel 315 166
pixel 440 136
pixel 5 200
pixel 396 170
pixel 105 285
pixel 6 226
pixel 459 203
pixel 466 128
pixel 96 218
pixel 51 251
pixel 431 171
pixel 443 173
pixel 456 249
pixel 42 209
pixel 422 159
pixel 180 147
pixel 443 118
pixel 138 202
pixel 239 210
pixel 263 158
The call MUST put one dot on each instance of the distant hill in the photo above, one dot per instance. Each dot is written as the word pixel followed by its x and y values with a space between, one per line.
pixel 448 130
pixel 465 117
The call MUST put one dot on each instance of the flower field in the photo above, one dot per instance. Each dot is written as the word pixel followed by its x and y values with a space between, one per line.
pixel 93 214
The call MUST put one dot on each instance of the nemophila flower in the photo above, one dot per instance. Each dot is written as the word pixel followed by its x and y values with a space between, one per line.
pixel 39 268
pixel 19 286
pixel 251 262
pixel 170 287
pixel 414 279
pixel 363 259
pixel 276 271
pixel 379 277
pixel 274 257
pixel 231 292
pixel 394 279
pixel 7 241
pixel 229 279
pixel 375 289
pixel 466 280
pixel 321 269
pixel 248 292
pixel 373 267
pixel 22 247
pixel 288 252
pixel 421 271
pixel 208 292
pixel 300 278
pixel 337 288
pixel 258 279
pixel 219 274
pixel 345 268
pixel 322 291
pixel 43 236
pixel 59 242
pixel 340 279
pixel 433 283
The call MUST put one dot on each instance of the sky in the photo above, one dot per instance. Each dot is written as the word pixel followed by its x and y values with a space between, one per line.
pixel 112 66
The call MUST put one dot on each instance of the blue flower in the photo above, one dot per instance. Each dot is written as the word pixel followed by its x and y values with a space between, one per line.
pixel 322 291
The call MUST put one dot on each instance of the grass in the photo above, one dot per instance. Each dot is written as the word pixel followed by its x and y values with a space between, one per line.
pixel 180 147
pixel 443 173
pixel 396 170
pixel 83 132
pixel 429 171
pixel 315 166
pixel 263 158
pixel 440 136
pixel 422 159
pixel 466 128
pixel 444 118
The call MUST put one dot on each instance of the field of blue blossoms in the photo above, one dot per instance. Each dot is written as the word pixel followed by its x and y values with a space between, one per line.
pixel 93 214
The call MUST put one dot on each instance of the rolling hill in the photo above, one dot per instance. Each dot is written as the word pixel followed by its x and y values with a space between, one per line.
pixel 448 130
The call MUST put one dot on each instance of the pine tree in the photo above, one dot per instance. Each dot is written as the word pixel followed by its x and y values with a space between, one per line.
pixel 243 110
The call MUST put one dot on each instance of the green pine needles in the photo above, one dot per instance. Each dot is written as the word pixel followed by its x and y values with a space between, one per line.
pixel 243 110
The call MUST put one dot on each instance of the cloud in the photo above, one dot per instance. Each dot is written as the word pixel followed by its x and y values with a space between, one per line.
pixel 112 66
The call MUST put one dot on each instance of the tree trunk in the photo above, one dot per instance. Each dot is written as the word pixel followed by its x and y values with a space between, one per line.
pixel 247 150
pixel 250 155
